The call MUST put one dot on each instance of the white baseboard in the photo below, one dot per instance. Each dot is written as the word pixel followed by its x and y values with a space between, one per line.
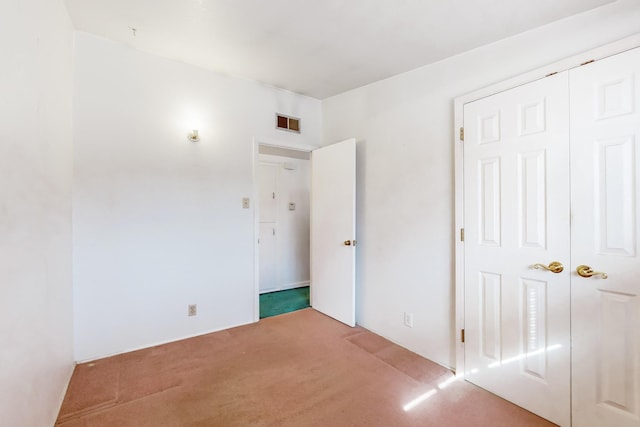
pixel 285 287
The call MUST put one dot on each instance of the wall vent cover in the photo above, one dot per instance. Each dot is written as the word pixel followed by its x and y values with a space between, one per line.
pixel 291 124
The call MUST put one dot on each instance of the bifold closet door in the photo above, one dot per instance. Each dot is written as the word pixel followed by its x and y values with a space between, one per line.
pixel 605 199
pixel 516 209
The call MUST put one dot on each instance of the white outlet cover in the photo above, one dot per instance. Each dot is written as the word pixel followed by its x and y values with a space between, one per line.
pixel 408 320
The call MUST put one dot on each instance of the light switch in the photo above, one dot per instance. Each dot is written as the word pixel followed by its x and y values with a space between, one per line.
pixel 245 203
pixel 292 206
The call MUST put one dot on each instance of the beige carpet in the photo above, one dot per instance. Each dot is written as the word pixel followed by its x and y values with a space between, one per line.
pixel 297 369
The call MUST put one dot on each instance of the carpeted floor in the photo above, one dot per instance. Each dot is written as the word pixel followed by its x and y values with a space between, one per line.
pixel 297 369
pixel 274 303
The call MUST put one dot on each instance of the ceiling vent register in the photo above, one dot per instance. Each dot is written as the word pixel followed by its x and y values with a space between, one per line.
pixel 291 124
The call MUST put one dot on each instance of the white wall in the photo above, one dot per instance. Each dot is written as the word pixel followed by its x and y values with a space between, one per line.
pixel 404 128
pixel 36 361
pixel 158 221
pixel 292 232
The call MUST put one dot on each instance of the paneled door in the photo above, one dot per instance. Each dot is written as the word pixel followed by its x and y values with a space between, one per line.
pixel 516 208
pixel 605 199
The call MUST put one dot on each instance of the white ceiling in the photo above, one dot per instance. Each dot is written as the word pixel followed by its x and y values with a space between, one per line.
pixel 314 47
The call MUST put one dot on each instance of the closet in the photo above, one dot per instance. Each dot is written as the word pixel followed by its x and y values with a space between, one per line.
pixel 551 222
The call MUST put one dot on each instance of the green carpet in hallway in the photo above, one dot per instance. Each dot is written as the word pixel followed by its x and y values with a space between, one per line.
pixel 280 302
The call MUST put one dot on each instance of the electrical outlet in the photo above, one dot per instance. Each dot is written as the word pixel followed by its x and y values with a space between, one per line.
pixel 193 309
pixel 408 319
pixel 245 203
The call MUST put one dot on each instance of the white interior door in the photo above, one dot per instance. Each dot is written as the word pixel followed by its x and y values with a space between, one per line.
pixel 268 246
pixel 267 183
pixel 605 198
pixel 333 229
pixel 268 258
pixel 516 186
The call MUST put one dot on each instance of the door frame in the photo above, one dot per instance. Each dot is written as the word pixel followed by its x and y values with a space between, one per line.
pixel 255 162
pixel 539 73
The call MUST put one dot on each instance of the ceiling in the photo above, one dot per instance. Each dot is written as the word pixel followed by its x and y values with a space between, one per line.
pixel 314 47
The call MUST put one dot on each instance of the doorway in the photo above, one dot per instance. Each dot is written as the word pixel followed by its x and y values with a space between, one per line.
pixel 282 182
pixel 332 225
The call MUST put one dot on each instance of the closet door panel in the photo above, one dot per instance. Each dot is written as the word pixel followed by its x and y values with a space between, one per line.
pixel 516 183
pixel 605 200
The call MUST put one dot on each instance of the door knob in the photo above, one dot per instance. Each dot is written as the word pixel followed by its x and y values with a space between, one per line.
pixel 586 271
pixel 349 242
pixel 554 267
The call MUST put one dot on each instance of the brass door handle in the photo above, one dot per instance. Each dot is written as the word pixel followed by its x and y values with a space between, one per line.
pixel 349 242
pixel 554 267
pixel 586 271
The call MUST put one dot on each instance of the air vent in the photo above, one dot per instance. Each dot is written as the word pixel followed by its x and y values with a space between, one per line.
pixel 292 124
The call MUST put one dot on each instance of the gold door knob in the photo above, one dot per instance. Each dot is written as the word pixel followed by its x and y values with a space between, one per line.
pixel 586 271
pixel 349 242
pixel 554 267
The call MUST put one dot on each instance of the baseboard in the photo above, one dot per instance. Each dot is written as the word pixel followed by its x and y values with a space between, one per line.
pixel 157 343
pixel 70 368
pixel 286 287
pixel 452 369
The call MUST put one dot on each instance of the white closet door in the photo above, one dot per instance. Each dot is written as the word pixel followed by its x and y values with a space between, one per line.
pixel 516 184
pixel 268 258
pixel 268 210
pixel 605 198
pixel 267 182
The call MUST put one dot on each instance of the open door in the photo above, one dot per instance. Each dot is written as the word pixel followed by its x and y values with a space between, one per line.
pixel 333 230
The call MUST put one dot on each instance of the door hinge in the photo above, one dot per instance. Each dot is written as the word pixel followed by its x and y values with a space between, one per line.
pixel 462 134
pixel 461 335
pixel 462 234
pixel 274 195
